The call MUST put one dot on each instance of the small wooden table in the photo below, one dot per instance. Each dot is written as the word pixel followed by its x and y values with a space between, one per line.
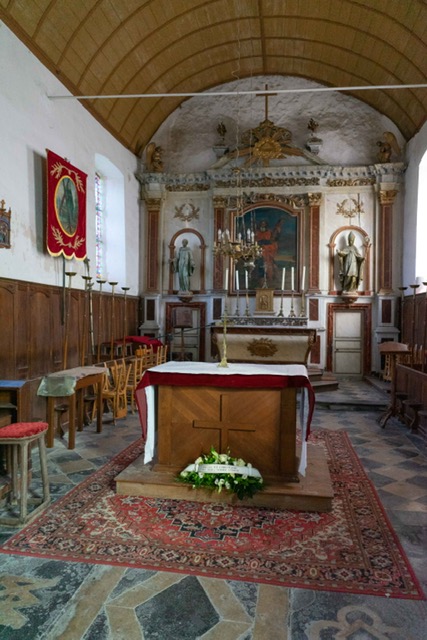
pixel 85 377
pixel 394 350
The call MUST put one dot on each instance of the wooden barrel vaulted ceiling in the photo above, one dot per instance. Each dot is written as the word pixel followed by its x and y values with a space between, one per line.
pixel 137 47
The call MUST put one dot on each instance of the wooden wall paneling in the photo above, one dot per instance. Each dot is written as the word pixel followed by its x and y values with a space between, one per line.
pixel 7 331
pixel 40 332
pixel 57 327
pixel 22 325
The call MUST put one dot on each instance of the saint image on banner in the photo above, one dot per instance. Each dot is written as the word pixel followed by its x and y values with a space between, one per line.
pixel 66 208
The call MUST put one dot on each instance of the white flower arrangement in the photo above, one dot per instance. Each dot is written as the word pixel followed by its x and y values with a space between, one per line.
pixel 218 471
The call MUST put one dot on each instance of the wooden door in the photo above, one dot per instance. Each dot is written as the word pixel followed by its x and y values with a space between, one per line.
pixel 348 336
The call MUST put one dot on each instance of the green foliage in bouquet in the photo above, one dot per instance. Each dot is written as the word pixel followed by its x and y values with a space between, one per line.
pixel 220 471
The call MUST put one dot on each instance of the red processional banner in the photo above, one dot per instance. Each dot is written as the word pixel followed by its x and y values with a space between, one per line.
pixel 66 208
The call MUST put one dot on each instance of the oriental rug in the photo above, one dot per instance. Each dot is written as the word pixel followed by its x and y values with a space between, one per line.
pixel 351 549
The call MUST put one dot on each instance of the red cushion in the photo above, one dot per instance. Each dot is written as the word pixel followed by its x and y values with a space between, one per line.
pixel 23 429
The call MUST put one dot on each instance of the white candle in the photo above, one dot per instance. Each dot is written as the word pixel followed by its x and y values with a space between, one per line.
pixel 292 279
pixel 252 237
pixel 237 280
pixel 219 234
pixel 303 279
pixel 283 278
pixel 248 234
pixel 246 280
pixel 226 279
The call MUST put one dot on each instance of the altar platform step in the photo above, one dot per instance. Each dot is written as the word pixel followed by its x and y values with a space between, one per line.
pixel 322 380
pixel 312 493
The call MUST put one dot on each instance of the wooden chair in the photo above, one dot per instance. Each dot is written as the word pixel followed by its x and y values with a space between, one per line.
pixel 115 391
pixel 161 354
pixel 149 358
pixel 134 376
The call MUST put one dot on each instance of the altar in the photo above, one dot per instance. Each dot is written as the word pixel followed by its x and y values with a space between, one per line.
pixel 250 410
pixel 264 343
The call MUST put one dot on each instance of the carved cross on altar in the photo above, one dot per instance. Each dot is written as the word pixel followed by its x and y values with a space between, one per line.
pixel 266 96
pixel 224 425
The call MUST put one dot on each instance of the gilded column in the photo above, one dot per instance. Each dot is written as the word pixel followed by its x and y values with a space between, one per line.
pixel 314 200
pixel 385 241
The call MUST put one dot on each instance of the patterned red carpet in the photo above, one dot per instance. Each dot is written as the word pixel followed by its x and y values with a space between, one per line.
pixel 351 549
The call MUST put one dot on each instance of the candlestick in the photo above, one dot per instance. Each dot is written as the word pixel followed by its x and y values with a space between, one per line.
pixel 292 311
pixel 224 362
pixel 402 297
pixel 280 314
pixel 247 304
pixel 302 312
pixel 70 275
pixel 414 288
pixel 88 286
pixel 112 284
pixel 100 282
pixel 125 321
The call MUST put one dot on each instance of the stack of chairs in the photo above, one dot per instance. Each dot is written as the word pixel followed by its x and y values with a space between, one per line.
pixel 145 358
pixel 135 375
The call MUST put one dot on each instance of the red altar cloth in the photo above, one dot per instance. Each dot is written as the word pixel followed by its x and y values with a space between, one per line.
pixel 247 376
pixel 145 341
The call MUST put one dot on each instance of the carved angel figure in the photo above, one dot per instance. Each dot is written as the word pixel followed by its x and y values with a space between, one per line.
pixel 387 146
pixel 153 157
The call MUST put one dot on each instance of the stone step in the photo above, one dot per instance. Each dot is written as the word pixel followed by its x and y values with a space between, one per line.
pixel 324 385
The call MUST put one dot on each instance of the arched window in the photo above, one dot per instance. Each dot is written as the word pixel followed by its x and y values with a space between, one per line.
pixel 99 226
pixel 110 221
pixel 421 254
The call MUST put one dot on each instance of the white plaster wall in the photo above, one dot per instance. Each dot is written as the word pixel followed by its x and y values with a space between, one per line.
pixel 348 127
pixel 415 151
pixel 30 123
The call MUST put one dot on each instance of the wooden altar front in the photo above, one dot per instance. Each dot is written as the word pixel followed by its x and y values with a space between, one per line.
pixel 253 416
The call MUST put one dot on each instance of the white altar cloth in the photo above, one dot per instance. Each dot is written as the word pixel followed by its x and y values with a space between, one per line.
pixel 291 371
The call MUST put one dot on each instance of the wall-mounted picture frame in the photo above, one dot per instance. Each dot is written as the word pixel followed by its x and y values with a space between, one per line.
pixel 5 215
pixel 277 231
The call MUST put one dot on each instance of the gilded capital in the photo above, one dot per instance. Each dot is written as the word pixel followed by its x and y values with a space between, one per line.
pixel 153 204
pixel 387 196
pixel 314 199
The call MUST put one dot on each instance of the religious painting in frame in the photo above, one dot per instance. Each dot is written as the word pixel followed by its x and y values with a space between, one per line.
pixel 277 231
